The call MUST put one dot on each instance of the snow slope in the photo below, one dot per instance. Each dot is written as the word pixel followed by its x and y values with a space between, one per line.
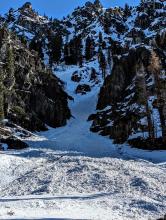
pixel 71 173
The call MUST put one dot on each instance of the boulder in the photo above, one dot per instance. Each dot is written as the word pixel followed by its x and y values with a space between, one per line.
pixel 14 143
pixel 83 89
pixel 76 77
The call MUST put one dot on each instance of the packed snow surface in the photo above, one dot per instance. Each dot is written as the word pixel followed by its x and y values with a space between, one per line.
pixel 71 173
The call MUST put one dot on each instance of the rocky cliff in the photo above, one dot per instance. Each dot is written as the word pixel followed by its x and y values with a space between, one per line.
pixel 31 96
pixel 133 97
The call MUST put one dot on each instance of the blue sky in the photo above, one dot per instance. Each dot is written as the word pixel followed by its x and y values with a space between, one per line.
pixel 57 8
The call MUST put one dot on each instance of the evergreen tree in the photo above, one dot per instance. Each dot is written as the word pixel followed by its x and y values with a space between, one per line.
pixel 107 24
pixel 9 78
pixel 78 48
pixel 127 11
pixel 102 62
pixel 37 45
pixel 10 15
pixel 98 4
pixel 73 52
pixel 66 54
pixel 10 68
pixel 100 38
pixel 155 68
pixel 142 95
pixel 89 48
pixel 23 39
pixel 102 44
pixel 109 58
pixel 93 74
pixel 1 96
pixel 55 47
pixel 76 51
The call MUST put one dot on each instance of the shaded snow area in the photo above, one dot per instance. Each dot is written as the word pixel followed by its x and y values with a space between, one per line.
pixel 71 173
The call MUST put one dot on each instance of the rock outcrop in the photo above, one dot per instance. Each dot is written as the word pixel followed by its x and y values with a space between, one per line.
pixel 13 143
pixel 131 96
pixel 83 89
pixel 31 96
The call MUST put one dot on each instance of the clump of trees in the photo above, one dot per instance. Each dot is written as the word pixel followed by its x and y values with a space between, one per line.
pixel 73 51
pixel 55 49
pixel 160 86
pixel 142 94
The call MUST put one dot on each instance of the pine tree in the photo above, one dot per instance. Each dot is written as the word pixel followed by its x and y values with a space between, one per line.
pixel 73 52
pixel 100 38
pixel 93 74
pixel 127 11
pixel 78 47
pixel 66 54
pixel 97 3
pixel 23 39
pixel 1 97
pixel 155 68
pixel 143 97
pixel 55 47
pixel 37 45
pixel 109 59
pixel 10 16
pixel 9 79
pixel 102 62
pixel 10 69
pixel 107 24
pixel 72 58
pixel 89 48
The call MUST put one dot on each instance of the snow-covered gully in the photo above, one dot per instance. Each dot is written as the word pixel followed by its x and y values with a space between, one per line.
pixel 71 173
